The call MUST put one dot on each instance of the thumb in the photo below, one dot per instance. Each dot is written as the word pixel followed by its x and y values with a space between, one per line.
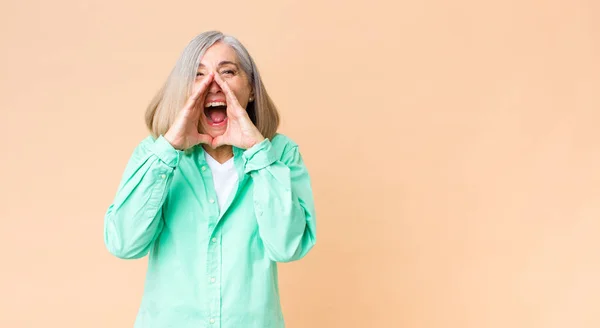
pixel 203 139
pixel 218 141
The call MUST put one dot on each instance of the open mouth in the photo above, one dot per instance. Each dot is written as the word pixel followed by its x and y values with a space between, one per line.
pixel 216 112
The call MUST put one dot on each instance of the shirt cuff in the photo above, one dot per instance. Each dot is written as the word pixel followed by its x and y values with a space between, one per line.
pixel 259 156
pixel 165 151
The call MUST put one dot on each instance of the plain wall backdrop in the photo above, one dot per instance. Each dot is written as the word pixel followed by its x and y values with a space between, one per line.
pixel 453 146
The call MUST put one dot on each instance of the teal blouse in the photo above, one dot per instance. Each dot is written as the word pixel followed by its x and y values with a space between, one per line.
pixel 208 268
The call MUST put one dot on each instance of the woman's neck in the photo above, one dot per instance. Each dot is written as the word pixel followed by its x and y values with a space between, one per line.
pixel 221 154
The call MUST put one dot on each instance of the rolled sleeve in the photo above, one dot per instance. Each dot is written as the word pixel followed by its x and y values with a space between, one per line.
pixel 259 156
pixel 165 151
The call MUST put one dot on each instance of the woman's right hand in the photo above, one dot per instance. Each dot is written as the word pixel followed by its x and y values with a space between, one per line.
pixel 183 133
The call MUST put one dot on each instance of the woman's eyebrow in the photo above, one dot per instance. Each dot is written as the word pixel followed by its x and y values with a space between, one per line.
pixel 223 63
pixel 227 62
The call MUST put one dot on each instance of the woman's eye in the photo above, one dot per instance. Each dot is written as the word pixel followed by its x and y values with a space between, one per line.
pixel 228 72
pixel 199 74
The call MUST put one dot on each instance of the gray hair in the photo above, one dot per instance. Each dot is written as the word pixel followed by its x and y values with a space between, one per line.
pixel 171 97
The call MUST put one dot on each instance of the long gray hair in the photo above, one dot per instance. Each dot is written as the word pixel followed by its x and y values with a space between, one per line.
pixel 170 99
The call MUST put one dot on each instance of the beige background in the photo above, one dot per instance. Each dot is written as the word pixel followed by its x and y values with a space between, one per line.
pixel 453 146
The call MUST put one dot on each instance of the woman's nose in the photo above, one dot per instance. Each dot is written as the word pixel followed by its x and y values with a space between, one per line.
pixel 214 87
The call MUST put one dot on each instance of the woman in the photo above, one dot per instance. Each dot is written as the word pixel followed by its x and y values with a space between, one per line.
pixel 214 196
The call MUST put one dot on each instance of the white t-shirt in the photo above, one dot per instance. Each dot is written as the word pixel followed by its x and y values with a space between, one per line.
pixel 225 178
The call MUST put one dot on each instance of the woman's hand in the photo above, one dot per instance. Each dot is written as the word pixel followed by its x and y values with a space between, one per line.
pixel 183 133
pixel 240 132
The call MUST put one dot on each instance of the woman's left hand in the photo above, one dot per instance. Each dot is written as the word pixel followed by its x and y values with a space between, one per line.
pixel 240 132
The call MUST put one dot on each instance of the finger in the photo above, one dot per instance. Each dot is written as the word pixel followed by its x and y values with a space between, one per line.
pixel 197 97
pixel 217 142
pixel 204 139
pixel 199 93
pixel 206 86
pixel 231 99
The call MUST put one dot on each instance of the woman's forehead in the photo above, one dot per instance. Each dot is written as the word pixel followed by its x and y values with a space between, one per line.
pixel 219 54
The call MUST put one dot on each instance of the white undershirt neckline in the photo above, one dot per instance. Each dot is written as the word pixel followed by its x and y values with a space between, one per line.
pixel 225 178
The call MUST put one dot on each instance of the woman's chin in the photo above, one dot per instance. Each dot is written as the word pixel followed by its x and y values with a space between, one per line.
pixel 213 132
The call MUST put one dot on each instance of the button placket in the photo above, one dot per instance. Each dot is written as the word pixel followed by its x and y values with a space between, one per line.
pixel 214 267
pixel 213 258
